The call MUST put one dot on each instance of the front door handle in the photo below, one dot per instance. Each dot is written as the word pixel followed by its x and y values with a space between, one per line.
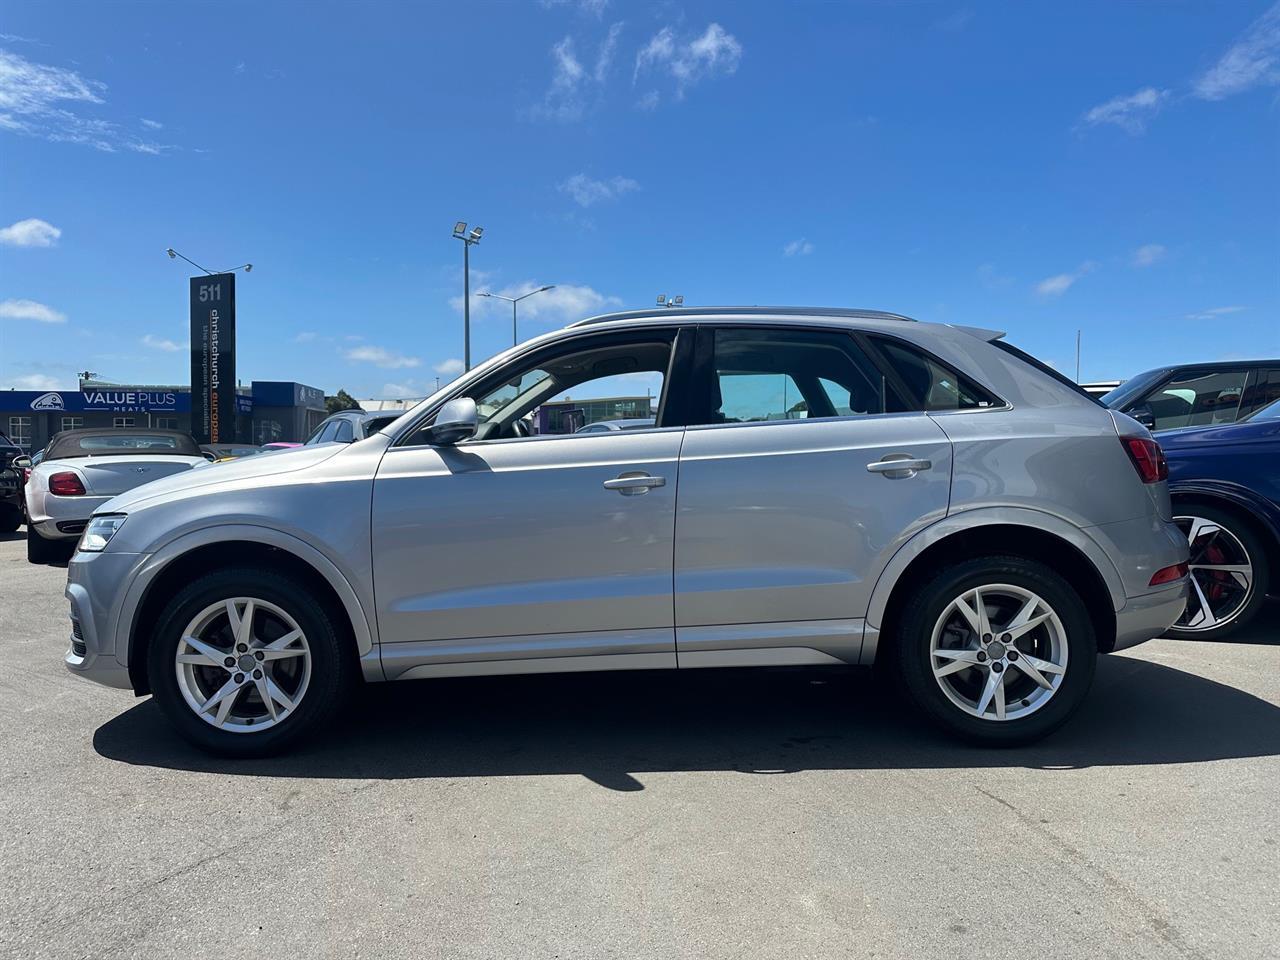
pixel 634 484
pixel 898 467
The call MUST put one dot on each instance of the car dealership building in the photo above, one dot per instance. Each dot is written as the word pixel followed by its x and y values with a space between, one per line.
pixel 266 411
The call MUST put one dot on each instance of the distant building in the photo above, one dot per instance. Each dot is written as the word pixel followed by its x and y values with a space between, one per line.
pixel 266 411
pixel 567 416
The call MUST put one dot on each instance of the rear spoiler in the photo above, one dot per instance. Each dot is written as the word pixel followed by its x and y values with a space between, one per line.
pixel 982 333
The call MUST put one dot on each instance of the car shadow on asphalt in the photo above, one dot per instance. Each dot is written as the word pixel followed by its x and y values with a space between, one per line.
pixel 612 727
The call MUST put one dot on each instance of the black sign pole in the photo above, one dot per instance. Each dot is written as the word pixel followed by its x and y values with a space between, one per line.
pixel 213 358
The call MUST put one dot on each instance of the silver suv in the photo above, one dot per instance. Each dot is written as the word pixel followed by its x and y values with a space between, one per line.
pixel 817 487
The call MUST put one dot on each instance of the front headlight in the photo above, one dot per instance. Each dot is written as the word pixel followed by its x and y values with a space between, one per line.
pixel 99 532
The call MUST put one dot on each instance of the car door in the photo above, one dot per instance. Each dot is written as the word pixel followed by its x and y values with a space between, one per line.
pixel 551 549
pixel 790 500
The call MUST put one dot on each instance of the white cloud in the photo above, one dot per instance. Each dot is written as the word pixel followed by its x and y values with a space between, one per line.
pixel 37 381
pixel 559 305
pixel 30 233
pixel 1060 283
pixel 1213 313
pixel 1252 61
pixel 30 310
pixel 798 248
pixel 594 7
pixel 1148 253
pixel 161 343
pixel 586 191
pixel 152 124
pixel 400 391
pixel 381 357
pixel 1129 113
pixel 43 101
pixel 687 61
pixel 450 368
pixel 306 336
pixel 573 86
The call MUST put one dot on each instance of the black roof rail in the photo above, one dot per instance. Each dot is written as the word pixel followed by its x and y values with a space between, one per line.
pixel 673 312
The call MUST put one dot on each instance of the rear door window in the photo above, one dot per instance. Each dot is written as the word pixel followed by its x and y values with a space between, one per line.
pixel 345 432
pixel 761 374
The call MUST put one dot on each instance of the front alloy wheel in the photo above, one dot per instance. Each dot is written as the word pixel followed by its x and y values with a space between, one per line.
pixel 243 664
pixel 246 661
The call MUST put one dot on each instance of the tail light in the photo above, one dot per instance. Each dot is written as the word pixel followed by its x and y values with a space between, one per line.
pixel 1148 459
pixel 66 484
pixel 1170 574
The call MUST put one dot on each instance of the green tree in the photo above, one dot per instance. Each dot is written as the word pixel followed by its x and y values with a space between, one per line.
pixel 341 401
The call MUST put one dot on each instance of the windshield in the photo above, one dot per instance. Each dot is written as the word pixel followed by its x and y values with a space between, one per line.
pixel 1131 389
pixel 119 443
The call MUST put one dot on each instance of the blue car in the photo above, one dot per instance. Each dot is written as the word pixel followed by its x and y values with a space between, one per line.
pixel 1225 485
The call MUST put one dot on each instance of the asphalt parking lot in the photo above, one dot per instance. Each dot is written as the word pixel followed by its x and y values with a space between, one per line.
pixel 783 814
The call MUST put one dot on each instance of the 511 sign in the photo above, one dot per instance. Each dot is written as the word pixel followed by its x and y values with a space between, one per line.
pixel 213 358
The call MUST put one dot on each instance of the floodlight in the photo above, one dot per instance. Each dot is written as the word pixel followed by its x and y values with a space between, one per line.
pixel 459 228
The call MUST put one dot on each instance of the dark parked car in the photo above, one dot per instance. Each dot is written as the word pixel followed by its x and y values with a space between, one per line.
pixel 1197 395
pixel 10 486
pixel 348 426
pixel 1225 485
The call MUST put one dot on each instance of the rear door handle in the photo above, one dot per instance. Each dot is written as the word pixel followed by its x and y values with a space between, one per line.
pixel 634 484
pixel 898 468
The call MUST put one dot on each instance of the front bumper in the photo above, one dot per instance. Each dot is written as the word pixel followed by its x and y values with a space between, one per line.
pixel 95 584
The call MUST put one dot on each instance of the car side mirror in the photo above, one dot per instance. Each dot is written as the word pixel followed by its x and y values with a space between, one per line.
pixel 22 462
pixel 456 421
pixel 1144 416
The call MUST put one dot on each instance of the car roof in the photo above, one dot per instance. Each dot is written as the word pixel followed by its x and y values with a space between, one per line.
pixel 676 313
pixel 1212 365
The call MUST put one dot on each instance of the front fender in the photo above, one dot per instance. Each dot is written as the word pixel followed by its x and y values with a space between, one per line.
pixel 363 625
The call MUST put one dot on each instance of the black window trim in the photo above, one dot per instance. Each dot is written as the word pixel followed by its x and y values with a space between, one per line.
pixel 872 340
pixel 672 405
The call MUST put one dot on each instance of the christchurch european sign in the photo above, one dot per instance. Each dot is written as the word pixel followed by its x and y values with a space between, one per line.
pixel 213 358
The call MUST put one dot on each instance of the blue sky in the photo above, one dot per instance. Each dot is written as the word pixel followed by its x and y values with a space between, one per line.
pixel 1036 167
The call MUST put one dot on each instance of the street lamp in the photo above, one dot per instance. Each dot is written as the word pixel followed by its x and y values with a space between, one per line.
pixel 460 233
pixel 513 301
pixel 174 255
pixel 664 301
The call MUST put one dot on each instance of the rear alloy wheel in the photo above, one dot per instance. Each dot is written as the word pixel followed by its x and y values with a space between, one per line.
pixel 1000 650
pixel 245 662
pixel 1229 573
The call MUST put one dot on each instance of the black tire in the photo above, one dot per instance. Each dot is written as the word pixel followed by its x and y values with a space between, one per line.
pixel 40 550
pixel 1254 545
pixel 332 667
pixel 912 649
pixel 10 519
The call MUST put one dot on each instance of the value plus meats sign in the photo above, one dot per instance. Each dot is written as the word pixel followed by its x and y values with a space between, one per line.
pixel 213 358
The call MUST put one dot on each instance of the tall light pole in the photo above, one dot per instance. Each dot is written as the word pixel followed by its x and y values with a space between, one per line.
pixel 175 255
pixel 513 301
pixel 460 233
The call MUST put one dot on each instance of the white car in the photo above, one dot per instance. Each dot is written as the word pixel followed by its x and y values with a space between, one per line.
pixel 83 469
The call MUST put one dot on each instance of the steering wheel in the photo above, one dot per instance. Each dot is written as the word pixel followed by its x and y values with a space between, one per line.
pixel 519 428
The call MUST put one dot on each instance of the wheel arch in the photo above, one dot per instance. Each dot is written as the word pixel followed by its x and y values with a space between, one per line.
pixel 201 551
pixel 1025 533
pixel 1253 510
